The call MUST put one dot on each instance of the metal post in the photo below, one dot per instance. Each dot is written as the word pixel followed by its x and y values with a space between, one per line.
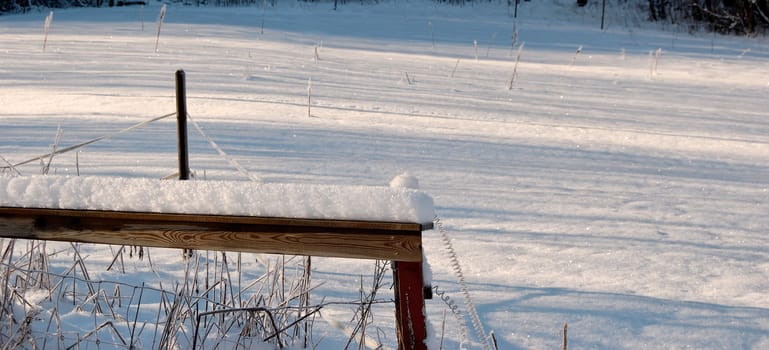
pixel 516 8
pixel 181 126
pixel 603 12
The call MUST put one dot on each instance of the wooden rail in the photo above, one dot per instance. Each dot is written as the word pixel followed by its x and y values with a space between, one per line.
pixel 396 241
pixel 331 238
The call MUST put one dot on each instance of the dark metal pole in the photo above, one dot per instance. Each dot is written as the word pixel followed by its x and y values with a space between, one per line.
pixel 181 126
pixel 516 8
pixel 603 12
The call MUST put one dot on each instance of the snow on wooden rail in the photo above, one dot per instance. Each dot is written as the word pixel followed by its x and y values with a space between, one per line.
pixel 333 221
pixel 236 198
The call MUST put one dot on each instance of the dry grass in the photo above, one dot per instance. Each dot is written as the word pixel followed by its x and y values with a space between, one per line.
pixel 215 305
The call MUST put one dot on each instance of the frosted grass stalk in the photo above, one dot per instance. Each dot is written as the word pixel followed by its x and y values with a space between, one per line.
pixel 264 10
pixel 309 97
pixel 432 34
pixel 160 25
pixel 515 67
pixel 576 54
pixel 654 57
pixel 455 68
pixel 9 165
pixel 48 21
pixel 515 38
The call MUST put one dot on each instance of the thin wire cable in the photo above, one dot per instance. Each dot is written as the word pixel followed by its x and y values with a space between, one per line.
pixel 469 305
pixel 86 143
pixel 224 155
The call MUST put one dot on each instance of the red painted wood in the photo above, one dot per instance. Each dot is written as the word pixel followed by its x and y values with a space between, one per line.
pixel 409 305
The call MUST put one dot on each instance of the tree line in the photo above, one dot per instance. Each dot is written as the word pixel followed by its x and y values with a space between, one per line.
pixel 723 16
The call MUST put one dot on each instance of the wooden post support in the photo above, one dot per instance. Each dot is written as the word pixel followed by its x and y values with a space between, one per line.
pixel 409 305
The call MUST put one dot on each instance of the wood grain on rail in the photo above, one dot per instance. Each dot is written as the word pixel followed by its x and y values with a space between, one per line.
pixel 317 237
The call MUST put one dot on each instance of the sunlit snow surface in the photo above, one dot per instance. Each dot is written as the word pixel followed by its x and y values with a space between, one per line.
pixel 627 200
pixel 218 198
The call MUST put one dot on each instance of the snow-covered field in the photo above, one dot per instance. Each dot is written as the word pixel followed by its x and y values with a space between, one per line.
pixel 622 190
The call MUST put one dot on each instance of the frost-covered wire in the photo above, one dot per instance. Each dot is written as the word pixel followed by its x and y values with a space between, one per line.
pixel 221 152
pixel 86 143
pixel 450 303
pixel 469 305
pixel 454 311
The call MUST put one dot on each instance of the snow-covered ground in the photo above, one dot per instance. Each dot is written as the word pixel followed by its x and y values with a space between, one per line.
pixel 622 190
